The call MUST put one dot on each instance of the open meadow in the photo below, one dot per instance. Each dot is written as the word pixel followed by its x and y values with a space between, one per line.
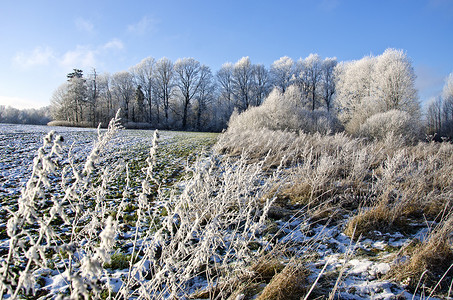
pixel 247 214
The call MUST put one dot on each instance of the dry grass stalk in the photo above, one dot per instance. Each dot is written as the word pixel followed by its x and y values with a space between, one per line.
pixel 430 261
pixel 290 283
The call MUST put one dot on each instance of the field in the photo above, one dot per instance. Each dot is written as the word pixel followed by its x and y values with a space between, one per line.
pixel 124 214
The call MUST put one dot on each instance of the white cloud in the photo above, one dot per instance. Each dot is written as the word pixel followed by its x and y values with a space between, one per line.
pixel 114 44
pixel 38 57
pixel 87 56
pixel 145 25
pixel 84 25
pixel 81 57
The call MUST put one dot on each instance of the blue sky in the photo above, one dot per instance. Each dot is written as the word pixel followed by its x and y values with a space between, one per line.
pixel 42 41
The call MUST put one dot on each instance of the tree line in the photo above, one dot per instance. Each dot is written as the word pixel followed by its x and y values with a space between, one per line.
pixel 33 116
pixel 440 112
pixel 186 94
pixel 362 97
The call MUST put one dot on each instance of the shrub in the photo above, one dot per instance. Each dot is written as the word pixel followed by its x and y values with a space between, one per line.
pixel 284 112
pixel 396 122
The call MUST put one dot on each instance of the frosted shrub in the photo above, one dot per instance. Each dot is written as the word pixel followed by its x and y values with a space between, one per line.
pixel 375 85
pixel 285 111
pixel 396 122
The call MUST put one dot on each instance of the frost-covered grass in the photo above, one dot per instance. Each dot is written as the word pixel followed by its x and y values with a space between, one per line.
pixel 263 214
pixel 383 197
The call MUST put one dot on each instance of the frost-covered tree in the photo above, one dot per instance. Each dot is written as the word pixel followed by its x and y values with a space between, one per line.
pixel 447 91
pixel 281 72
pixel 328 81
pixel 261 84
pixel 188 81
pixel 204 96
pixel 123 91
pixel 59 108
pixel 225 84
pixel 353 92
pixel 301 79
pixel 314 78
pixel 164 77
pixel 434 116
pixel 447 95
pixel 105 108
pixel 440 112
pixel 313 70
pixel 74 101
pixel 243 82
pixel 138 105
pixel 77 94
pixel 394 81
pixel 92 97
pixel 375 85
pixel 144 76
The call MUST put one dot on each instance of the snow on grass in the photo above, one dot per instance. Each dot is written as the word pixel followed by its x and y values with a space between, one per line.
pixel 178 221
pixel 22 147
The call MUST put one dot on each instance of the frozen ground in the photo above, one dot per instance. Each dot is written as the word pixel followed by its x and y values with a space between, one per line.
pixel 19 145
pixel 358 267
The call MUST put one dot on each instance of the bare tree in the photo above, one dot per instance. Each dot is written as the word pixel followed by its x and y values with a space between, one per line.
pixel 105 107
pixel 144 76
pixel 164 82
pixel 313 69
pixel 226 93
pixel 434 116
pixel 261 84
pixel 439 115
pixel 281 72
pixel 93 95
pixel 123 90
pixel 205 93
pixel 243 82
pixel 328 80
pixel 188 81
pixel 60 108
pixel 138 107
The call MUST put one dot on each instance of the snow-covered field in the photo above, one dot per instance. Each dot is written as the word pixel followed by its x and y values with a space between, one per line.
pixel 163 244
pixel 19 145
pixel 127 152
